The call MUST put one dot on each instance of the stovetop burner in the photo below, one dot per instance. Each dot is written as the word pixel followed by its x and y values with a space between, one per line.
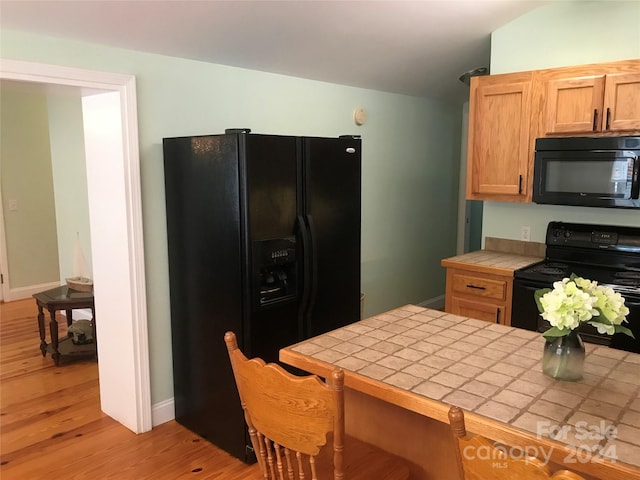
pixel 550 268
pixel 628 275
pixel 627 279
pixel 548 272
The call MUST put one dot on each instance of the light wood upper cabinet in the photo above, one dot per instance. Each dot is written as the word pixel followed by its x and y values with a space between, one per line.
pixel 574 104
pixel 593 104
pixel 622 102
pixel 499 147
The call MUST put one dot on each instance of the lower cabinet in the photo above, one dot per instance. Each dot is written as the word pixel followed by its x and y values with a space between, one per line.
pixel 484 296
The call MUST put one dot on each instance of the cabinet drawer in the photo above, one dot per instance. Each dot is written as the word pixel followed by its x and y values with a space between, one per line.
pixel 479 286
pixel 478 310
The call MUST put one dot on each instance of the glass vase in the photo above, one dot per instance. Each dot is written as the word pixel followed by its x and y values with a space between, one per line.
pixel 563 357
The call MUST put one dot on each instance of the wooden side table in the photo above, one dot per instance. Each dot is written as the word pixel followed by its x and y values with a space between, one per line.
pixel 64 298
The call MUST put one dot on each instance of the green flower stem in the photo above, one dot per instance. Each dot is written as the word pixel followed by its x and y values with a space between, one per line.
pixel 563 357
pixel 562 363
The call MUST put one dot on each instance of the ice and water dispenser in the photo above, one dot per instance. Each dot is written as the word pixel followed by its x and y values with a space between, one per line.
pixel 275 272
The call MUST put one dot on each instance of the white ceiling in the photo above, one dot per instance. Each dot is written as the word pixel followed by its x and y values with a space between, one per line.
pixel 417 47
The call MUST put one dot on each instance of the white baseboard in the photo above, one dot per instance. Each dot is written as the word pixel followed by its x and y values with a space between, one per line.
pixel 162 412
pixel 21 293
pixel 435 303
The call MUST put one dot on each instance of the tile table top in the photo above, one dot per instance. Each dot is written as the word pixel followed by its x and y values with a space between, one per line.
pixel 494 371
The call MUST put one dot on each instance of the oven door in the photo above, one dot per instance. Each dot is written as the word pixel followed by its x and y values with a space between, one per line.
pixel 624 342
pixel 524 314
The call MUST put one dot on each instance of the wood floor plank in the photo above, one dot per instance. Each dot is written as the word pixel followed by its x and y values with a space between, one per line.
pixel 51 425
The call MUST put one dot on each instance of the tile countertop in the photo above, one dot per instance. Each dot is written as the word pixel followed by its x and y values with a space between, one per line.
pixel 489 261
pixel 500 256
pixel 495 372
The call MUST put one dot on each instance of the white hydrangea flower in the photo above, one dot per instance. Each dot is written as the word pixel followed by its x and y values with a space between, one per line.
pixel 567 305
pixel 611 305
pixel 576 299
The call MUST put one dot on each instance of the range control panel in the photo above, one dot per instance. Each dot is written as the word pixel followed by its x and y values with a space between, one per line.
pixel 604 237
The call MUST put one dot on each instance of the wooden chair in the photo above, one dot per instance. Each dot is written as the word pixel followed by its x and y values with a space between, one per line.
pixel 480 459
pixel 296 425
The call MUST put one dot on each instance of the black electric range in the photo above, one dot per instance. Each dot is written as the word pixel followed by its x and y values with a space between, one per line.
pixel 607 254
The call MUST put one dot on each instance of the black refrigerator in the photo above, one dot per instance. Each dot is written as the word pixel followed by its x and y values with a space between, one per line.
pixel 264 240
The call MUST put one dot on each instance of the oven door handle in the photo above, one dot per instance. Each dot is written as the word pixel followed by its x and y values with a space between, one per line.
pixel 635 179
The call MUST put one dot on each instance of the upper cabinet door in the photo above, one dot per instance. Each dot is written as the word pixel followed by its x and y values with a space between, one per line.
pixel 499 143
pixel 593 104
pixel 575 105
pixel 622 102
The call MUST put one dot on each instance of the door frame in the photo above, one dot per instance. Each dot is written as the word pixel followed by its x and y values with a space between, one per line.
pixel 124 359
pixel 4 271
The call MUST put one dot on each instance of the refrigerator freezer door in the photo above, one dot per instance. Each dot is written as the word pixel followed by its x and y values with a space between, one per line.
pixel 203 227
pixel 332 210
pixel 270 167
pixel 271 170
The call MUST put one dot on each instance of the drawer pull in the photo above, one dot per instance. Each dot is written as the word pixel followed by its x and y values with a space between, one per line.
pixel 476 287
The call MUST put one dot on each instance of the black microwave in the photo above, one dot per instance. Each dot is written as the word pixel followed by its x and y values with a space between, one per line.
pixel 587 171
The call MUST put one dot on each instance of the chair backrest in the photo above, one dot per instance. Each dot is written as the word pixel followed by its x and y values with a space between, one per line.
pixel 481 459
pixel 291 420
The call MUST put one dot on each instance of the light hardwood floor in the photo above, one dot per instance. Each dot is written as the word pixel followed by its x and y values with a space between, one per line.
pixel 51 425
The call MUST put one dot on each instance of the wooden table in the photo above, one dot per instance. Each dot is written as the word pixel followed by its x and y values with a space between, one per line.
pixel 64 298
pixel 405 368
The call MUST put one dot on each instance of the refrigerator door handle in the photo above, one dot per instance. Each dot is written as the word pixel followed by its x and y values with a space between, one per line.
pixel 314 266
pixel 306 271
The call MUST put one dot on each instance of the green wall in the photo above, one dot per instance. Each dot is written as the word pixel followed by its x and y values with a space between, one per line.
pixel 69 180
pixel 42 132
pixel 561 34
pixel 411 149
pixel 25 168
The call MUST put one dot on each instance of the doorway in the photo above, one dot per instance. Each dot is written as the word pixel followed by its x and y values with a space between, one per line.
pixel 115 210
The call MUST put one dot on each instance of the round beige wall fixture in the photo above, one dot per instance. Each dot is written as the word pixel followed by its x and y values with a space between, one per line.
pixel 359 116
